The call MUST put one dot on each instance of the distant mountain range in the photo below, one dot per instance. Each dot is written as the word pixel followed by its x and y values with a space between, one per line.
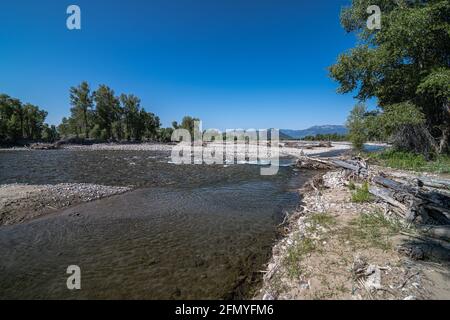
pixel 299 134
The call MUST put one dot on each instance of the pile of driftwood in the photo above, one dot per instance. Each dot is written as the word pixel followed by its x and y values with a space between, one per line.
pixel 45 146
pixel 421 200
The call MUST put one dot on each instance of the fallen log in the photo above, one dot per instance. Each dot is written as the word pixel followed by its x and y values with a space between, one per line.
pixel 357 166
pixel 45 146
pixel 435 183
pixel 409 198
pixel 423 248
pixel 305 162
pixel 388 197
pixel 431 200
pixel 439 232
pixel 360 168
pixel 421 180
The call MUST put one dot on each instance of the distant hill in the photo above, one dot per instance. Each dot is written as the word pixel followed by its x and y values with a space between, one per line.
pixel 298 134
pixel 284 136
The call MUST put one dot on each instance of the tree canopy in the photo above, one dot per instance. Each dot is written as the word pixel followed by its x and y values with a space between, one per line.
pixel 20 122
pixel 405 65
pixel 101 115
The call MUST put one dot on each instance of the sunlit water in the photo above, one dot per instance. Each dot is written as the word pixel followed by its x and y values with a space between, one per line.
pixel 194 232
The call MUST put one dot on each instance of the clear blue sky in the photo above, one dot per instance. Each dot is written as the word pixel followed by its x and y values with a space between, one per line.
pixel 233 63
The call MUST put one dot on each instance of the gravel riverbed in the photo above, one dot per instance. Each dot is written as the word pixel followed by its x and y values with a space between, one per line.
pixel 23 202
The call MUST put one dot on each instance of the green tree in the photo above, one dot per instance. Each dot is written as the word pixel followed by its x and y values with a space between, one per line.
pixel 33 121
pixel 20 121
pixel 188 123
pixel 95 132
pixel 81 101
pixel 49 133
pixel 131 108
pixel 107 110
pixel 165 134
pixel 109 117
pixel 357 126
pixel 405 64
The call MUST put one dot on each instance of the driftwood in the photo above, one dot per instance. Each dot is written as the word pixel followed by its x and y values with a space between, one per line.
pixel 420 204
pixel 45 146
pixel 421 200
pixel 422 181
pixel 314 164
pixel 358 166
pixel 439 232
pixel 388 197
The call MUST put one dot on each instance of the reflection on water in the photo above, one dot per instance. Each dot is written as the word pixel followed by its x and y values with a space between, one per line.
pixel 188 232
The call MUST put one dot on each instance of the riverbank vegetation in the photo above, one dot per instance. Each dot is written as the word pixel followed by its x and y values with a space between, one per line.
pixel 411 161
pixel 326 137
pixel 371 230
pixel 23 122
pixel 98 115
pixel 361 194
pixel 101 115
pixel 405 66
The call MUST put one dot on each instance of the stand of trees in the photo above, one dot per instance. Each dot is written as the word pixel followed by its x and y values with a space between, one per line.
pixel 326 137
pixel 405 65
pixel 22 123
pixel 95 115
pixel 101 115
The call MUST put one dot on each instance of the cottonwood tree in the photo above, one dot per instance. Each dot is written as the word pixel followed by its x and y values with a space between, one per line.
pixel 131 106
pixel 107 110
pixel 356 124
pixel 19 121
pixel 81 101
pixel 405 65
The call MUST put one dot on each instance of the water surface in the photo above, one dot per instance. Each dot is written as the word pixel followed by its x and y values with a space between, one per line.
pixel 187 232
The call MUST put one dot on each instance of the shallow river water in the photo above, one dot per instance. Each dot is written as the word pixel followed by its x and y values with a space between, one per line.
pixel 186 232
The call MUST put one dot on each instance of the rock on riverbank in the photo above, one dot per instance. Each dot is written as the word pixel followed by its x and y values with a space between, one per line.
pixel 22 202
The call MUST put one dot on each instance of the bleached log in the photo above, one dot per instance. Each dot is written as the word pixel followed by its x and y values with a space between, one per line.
pixel 387 196
pixel 438 200
pixel 357 168
pixel 439 232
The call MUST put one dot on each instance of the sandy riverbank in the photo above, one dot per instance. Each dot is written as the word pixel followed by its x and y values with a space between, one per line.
pixel 22 202
pixel 241 148
pixel 333 248
pixel 251 150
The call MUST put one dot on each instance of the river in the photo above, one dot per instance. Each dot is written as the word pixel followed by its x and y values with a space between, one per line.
pixel 185 232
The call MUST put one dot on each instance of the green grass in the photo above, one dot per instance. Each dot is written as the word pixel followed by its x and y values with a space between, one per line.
pixel 371 230
pixel 410 161
pixel 296 253
pixel 322 219
pixel 351 186
pixel 362 194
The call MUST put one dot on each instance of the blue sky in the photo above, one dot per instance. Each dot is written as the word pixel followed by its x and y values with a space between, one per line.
pixel 233 63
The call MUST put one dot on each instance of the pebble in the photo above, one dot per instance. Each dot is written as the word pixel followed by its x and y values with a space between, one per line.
pixel 268 296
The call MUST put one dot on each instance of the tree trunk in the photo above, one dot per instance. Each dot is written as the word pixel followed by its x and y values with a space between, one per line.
pixel 443 144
